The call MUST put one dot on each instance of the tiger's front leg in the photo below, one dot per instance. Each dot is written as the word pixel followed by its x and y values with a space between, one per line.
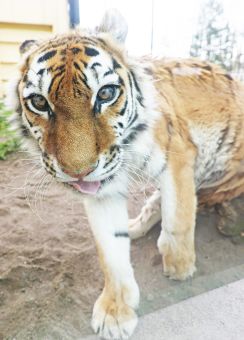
pixel 178 204
pixel 113 314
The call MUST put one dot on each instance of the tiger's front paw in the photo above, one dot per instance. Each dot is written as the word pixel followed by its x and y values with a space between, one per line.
pixel 178 257
pixel 113 319
pixel 178 268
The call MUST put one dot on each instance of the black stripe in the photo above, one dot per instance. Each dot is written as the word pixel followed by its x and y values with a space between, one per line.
pixel 24 131
pixel 63 52
pixel 207 68
pixel 102 41
pixel 59 68
pixel 140 100
pixel 47 56
pixel 75 50
pixel 109 161
pixel 29 83
pixel 120 94
pixel 121 234
pixel 148 70
pixel 139 96
pixel 29 122
pixel 129 138
pixel 115 64
pixel 140 127
pixel 135 82
pixel 50 69
pixel 131 86
pixel 41 71
pixel 108 72
pixel 77 66
pixel 108 179
pixel 132 120
pixel 86 39
pixel 122 112
pixel 74 79
pixel 113 148
pixel 58 87
pixel 91 52
pixel 111 169
pixel 223 137
pixel 53 80
pixel 134 132
pixel 121 81
pixel 83 62
pixel 95 64
pixel 228 76
pixel 95 73
pixel 84 78
pixel 132 117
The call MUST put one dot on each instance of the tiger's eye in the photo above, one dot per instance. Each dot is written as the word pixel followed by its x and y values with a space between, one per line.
pixel 106 93
pixel 39 103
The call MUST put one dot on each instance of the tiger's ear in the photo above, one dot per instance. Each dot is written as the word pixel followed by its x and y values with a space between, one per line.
pixel 115 24
pixel 27 45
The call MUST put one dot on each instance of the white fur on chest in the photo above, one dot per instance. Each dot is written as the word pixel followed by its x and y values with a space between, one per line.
pixel 148 157
pixel 212 156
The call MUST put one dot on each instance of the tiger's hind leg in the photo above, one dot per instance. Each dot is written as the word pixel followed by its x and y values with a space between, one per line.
pixel 150 215
pixel 228 202
pixel 231 219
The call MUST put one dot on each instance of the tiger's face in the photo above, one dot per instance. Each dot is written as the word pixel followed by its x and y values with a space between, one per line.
pixel 76 94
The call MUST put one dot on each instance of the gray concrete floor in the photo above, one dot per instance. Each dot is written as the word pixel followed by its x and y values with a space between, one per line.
pixel 215 315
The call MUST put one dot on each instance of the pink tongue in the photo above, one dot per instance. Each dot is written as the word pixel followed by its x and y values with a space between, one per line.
pixel 86 187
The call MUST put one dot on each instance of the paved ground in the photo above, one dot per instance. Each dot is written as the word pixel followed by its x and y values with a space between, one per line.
pixel 215 315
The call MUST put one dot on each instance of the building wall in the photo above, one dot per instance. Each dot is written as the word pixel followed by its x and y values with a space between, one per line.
pixel 27 19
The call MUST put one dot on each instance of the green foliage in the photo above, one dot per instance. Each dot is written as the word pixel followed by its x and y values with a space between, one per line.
pixel 8 139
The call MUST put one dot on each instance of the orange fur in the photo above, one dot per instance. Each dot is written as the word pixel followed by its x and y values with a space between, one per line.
pixel 209 99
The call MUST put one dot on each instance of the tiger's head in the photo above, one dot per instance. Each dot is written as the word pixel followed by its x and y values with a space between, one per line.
pixel 79 102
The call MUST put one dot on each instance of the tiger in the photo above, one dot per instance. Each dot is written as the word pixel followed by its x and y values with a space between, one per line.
pixel 97 117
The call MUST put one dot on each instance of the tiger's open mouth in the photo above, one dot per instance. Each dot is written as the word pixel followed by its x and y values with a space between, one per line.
pixel 91 183
pixel 86 187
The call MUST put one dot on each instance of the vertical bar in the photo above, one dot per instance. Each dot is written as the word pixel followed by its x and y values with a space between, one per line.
pixel 152 27
pixel 74 13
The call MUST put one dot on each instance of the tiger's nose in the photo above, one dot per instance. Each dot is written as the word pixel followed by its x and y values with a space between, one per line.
pixel 79 174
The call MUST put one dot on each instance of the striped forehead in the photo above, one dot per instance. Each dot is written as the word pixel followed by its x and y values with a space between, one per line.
pixel 100 69
pixel 96 64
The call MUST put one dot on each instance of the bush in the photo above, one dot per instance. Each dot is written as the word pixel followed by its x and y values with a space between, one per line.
pixel 8 139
